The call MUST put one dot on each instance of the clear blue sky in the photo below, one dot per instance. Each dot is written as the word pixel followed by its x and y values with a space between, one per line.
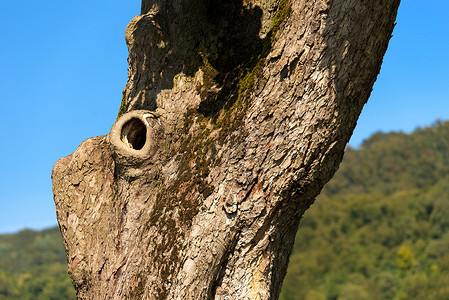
pixel 63 67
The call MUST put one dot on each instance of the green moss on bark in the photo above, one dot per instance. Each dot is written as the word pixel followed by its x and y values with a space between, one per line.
pixel 238 85
pixel 197 144
pixel 122 108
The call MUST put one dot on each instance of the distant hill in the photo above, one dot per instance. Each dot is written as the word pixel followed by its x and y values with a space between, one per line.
pixel 33 266
pixel 387 163
pixel 379 230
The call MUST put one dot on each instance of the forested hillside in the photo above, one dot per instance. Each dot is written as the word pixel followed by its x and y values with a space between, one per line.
pixel 388 163
pixel 33 266
pixel 380 230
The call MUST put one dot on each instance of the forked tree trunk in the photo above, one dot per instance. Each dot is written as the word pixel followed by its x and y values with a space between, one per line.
pixel 235 114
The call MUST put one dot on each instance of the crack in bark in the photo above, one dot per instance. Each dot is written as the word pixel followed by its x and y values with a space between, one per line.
pixel 216 283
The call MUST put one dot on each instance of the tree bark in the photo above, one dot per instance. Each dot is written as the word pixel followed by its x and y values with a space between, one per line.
pixel 234 116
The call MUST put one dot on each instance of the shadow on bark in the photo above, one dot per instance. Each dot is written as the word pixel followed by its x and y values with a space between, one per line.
pixel 219 36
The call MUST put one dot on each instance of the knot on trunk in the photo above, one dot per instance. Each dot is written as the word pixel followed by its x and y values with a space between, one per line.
pixel 135 140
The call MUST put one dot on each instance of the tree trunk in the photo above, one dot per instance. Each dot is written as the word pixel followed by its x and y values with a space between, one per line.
pixel 235 115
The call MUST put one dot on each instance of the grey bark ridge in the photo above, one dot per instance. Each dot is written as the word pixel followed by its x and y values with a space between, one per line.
pixel 227 133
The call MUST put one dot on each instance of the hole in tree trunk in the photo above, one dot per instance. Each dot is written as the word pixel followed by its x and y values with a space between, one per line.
pixel 134 134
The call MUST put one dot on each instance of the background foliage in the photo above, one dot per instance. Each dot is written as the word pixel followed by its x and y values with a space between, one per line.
pixel 33 266
pixel 379 230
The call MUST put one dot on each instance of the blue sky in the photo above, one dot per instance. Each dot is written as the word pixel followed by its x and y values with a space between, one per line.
pixel 63 67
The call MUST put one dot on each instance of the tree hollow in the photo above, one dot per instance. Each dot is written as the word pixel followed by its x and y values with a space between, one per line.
pixel 134 133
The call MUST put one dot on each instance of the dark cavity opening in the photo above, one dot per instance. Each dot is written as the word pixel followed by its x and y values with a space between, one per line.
pixel 134 134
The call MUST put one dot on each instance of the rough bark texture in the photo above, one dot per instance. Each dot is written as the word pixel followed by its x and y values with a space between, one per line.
pixel 235 115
